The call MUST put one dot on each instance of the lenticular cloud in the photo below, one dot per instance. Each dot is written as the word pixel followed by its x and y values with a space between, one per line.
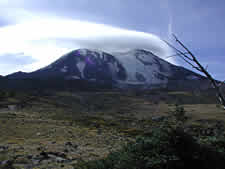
pixel 46 40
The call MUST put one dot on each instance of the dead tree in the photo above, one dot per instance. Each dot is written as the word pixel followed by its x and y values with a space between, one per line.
pixel 190 58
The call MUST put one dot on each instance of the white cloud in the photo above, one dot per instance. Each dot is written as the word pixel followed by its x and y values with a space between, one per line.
pixel 45 40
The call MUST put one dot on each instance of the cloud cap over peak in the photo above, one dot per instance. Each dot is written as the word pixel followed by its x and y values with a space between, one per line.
pixel 45 40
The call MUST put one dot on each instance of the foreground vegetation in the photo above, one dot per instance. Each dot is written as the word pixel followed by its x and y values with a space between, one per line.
pixel 162 150
pixel 109 129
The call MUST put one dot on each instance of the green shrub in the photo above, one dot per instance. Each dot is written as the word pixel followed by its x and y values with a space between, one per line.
pixel 179 113
pixel 147 152
pixel 217 142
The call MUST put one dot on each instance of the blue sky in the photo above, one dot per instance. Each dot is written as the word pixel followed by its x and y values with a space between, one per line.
pixel 36 32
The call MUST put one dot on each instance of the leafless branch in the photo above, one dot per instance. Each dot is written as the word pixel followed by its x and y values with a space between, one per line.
pixel 178 51
pixel 183 56
pixel 199 67
pixel 177 54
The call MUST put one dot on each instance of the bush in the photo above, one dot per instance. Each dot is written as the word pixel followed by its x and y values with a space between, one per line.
pixel 147 152
pixel 179 113
pixel 163 150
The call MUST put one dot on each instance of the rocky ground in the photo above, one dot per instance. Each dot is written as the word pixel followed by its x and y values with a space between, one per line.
pixel 60 129
pixel 30 141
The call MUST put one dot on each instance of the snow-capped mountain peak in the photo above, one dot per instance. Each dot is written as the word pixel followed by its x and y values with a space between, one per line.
pixel 135 67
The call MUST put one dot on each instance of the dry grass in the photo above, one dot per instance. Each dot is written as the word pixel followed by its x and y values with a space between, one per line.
pixel 97 122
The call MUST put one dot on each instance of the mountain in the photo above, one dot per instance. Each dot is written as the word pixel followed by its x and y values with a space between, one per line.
pixel 17 75
pixel 80 64
pixel 135 68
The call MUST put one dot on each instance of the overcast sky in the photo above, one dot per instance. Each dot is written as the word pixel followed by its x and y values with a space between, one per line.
pixel 33 33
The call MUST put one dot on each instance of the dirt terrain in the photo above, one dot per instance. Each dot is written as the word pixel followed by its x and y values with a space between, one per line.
pixel 59 129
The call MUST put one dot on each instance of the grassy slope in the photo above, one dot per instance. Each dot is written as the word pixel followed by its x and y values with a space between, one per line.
pixel 97 123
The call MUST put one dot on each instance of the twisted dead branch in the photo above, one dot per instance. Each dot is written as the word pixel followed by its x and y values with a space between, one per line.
pixel 190 59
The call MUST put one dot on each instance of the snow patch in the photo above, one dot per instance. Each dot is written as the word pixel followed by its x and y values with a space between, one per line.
pixel 81 66
pixel 144 63
pixel 75 77
pixel 99 52
pixel 64 69
pixel 83 52
pixel 113 69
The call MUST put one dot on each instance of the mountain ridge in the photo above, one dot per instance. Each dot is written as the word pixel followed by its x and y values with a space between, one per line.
pixel 137 67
